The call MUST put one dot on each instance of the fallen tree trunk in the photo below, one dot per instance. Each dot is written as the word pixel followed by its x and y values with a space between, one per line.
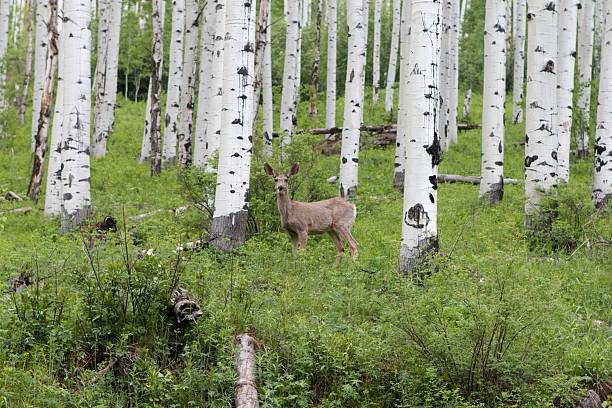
pixel 12 196
pixel 23 210
pixel 246 388
pixel 141 217
pixel 454 178
pixel 376 129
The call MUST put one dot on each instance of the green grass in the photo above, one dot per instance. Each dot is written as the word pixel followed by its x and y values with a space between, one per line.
pixel 358 334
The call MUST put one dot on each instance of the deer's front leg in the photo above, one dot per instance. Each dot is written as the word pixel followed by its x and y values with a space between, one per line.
pixel 294 245
pixel 303 239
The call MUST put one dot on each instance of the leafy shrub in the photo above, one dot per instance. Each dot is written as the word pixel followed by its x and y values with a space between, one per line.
pixel 565 221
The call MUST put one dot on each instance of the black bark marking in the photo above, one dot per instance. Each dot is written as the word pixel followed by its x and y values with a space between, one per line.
pixel 434 181
pixel 416 217
pixel 530 159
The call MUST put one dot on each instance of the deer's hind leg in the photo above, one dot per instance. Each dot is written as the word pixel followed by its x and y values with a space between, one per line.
pixel 346 234
pixel 339 247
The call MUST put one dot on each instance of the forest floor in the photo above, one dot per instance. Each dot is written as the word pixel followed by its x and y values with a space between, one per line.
pixel 502 321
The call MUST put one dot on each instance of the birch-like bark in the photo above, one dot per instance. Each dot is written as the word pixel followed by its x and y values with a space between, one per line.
pixel 207 44
pixel 208 126
pixel 40 58
pixel 602 175
pixel 467 101
pixel 268 106
pixel 156 61
pixel 76 196
pixel 229 224
pixel 376 52
pixel 4 40
pixel 568 17
pixel 520 10
pixel 175 77
pixel 260 45
pixel 25 91
pixel 402 113
pixel 364 55
pixel 185 124
pixel 353 99
pixel 393 56
pixel 419 221
pixel 493 99
pixel 332 26
pixel 444 69
pixel 289 97
pixel 586 30
pixel 316 64
pixel 541 138
pixel 41 140
pixel 453 96
pixel 465 4
pixel 105 86
pixel 145 149
pixel 53 196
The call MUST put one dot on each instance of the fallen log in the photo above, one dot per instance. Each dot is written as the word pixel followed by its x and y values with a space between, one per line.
pixel 454 178
pixel 12 196
pixel 592 400
pixel 193 245
pixel 376 129
pixel 246 387
pixel 23 210
pixel 186 309
pixel 175 211
pixel 112 363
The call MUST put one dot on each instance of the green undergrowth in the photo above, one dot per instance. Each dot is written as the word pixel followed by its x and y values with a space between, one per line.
pixel 506 320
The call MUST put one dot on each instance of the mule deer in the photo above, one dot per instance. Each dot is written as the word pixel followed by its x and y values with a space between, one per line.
pixel 334 216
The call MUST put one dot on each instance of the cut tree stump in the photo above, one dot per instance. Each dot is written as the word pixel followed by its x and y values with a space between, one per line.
pixel 246 358
pixel 186 309
pixel 454 178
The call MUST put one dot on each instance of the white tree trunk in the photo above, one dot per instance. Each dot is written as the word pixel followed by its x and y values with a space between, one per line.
pixel 393 56
pixel 568 17
pixel 602 176
pixel 157 50
pixel 290 87
pixel 520 11
pixel 212 76
pixel 175 75
pixel 464 6
pixel 541 138
pixel 145 148
pixel 207 45
pixel 376 52
pixel 364 55
pixel 76 196
pixel 53 194
pixel 4 39
pixel 185 124
pixel 105 86
pixel 402 113
pixel 353 99
pixel 466 104
pixel 25 91
pixel 444 69
pixel 585 68
pixel 332 26
pixel 228 228
pixel 40 58
pixel 419 221
pixel 493 99
pixel 453 96
pixel 268 106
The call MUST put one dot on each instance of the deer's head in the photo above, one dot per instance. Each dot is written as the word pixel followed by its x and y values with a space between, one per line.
pixel 281 181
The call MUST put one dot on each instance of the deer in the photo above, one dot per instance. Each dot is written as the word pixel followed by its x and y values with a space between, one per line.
pixel 334 216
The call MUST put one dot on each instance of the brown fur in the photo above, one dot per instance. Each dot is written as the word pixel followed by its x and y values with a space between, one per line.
pixel 334 216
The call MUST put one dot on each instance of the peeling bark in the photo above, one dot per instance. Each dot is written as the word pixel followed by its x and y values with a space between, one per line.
pixel 316 64
pixel 40 58
pixel 156 61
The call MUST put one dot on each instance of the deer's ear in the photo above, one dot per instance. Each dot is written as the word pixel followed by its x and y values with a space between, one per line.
pixel 294 170
pixel 269 170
